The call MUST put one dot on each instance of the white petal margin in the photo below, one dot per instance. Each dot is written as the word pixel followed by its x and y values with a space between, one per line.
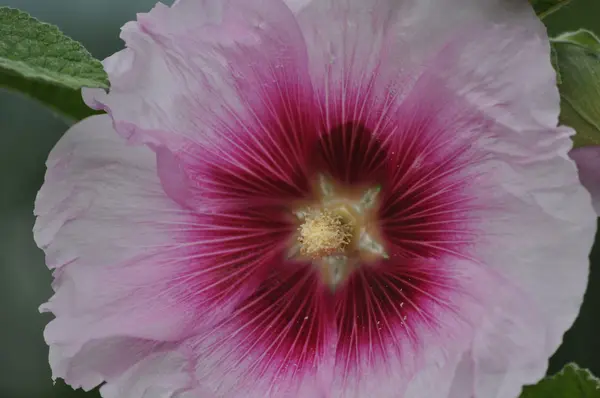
pixel 103 221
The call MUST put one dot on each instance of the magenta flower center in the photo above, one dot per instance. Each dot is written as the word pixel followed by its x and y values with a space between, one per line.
pixel 346 235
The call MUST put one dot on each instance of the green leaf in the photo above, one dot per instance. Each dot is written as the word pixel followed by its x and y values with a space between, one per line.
pixel 570 382
pixel 38 60
pixel 576 56
pixel 543 8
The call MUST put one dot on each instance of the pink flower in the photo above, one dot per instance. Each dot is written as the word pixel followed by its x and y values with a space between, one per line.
pixel 348 198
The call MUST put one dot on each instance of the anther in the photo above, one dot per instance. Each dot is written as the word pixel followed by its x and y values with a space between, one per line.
pixel 325 233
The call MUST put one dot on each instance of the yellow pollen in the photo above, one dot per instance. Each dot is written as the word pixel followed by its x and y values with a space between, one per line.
pixel 325 233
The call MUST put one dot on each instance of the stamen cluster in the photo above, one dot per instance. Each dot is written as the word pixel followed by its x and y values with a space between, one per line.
pixel 324 233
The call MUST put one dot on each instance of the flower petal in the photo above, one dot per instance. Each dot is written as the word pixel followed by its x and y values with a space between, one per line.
pixel 588 164
pixel 107 229
pixel 160 375
pixel 197 64
pixel 100 360
pixel 382 46
pixel 277 343
pixel 536 194
pixel 532 191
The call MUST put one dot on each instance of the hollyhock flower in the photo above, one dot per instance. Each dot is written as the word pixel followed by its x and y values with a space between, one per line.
pixel 588 164
pixel 333 198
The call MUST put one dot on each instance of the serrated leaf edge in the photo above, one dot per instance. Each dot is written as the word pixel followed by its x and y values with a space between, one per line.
pixel 81 47
pixel 589 376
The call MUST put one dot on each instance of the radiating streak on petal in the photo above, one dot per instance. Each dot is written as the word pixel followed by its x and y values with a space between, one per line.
pixel 354 337
pixel 230 239
pixel 449 251
pixel 400 316
pixel 179 211
pixel 252 248
pixel 424 315
pixel 262 150
pixel 347 313
pixel 190 243
pixel 429 281
pixel 432 181
pixel 406 281
pixel 224 189
pixel 370 319
pixel 452 221
pixel 215 228
pixel 380 152
pixel 431 242
pixel 283 152
pixel 231 216
pixel 431 177
pixel 463 232
pixel 424 199
pixel 280 337
pixel 262 318
pixel 432 211
pixel 235 276
pixel 447 305
pixel 263 154
pixel 284 362
pixel 391 331
pixel 292 147
pixel 248 266
pixel 230 264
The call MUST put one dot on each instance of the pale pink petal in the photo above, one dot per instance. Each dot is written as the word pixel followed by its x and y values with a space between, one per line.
pixel 199 64
pixel 539 230
pixel 100 360
pixel 124 275
pixel 588 164
pixel 382 46
pixel 538 238
pixel 160 375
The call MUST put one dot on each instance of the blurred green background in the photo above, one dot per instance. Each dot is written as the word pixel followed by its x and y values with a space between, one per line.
pixel 27 133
